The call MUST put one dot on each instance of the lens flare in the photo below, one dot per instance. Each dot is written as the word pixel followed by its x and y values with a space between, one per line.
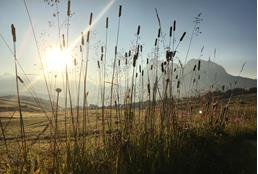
pixel 56 60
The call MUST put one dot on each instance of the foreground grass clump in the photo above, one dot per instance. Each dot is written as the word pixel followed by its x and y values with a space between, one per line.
pixel 190 152
pixel 223 143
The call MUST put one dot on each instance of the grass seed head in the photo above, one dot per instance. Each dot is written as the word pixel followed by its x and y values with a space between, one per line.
pixel 106 22
pixel 162 67
pixel 134 59
pixel 63 40
pixel 98 65
pixel 13 33
pixel 199 65
pixel 194 68
pixel 120 11
pixel 74 61
pixel 169 55
pixel 138 30
pixel 88 36
pixel 90 22
pixel 182 37
pixel 69 8
pixel 58 90
pixel 178 84
pixel 82 38
pixel 148 88
pixel 20 79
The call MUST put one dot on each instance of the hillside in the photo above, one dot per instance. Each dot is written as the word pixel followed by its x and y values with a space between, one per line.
pixel 9 103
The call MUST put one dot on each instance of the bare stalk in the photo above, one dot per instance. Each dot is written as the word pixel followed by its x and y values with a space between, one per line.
pixel 22 130
pixel 114 67
pixel 85 93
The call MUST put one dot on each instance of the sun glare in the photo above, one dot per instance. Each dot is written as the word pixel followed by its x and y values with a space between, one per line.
pixel 56 60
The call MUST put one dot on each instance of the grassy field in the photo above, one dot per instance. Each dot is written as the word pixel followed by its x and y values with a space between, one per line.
pixel 194 146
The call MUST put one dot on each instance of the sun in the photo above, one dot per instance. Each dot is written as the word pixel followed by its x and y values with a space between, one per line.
pixel 56 60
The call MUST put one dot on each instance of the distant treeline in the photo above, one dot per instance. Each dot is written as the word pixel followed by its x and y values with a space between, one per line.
pixel 235 91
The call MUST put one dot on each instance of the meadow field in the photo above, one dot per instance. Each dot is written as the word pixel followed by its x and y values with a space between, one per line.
pixel 196 143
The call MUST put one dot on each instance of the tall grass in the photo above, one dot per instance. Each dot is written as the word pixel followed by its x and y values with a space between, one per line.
pixel 22 130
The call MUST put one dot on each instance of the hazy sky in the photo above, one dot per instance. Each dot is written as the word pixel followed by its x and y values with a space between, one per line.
pixel 228 25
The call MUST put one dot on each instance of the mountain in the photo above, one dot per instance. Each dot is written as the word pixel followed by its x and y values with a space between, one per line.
pixel 198 77
pixel 211 76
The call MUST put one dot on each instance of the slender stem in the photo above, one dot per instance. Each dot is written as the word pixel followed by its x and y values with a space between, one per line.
pixel 104 84
pixel 78 92
pixel 113 74
pixel 22 131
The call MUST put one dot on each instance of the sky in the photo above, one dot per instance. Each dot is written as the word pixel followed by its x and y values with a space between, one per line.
pixel 229 26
